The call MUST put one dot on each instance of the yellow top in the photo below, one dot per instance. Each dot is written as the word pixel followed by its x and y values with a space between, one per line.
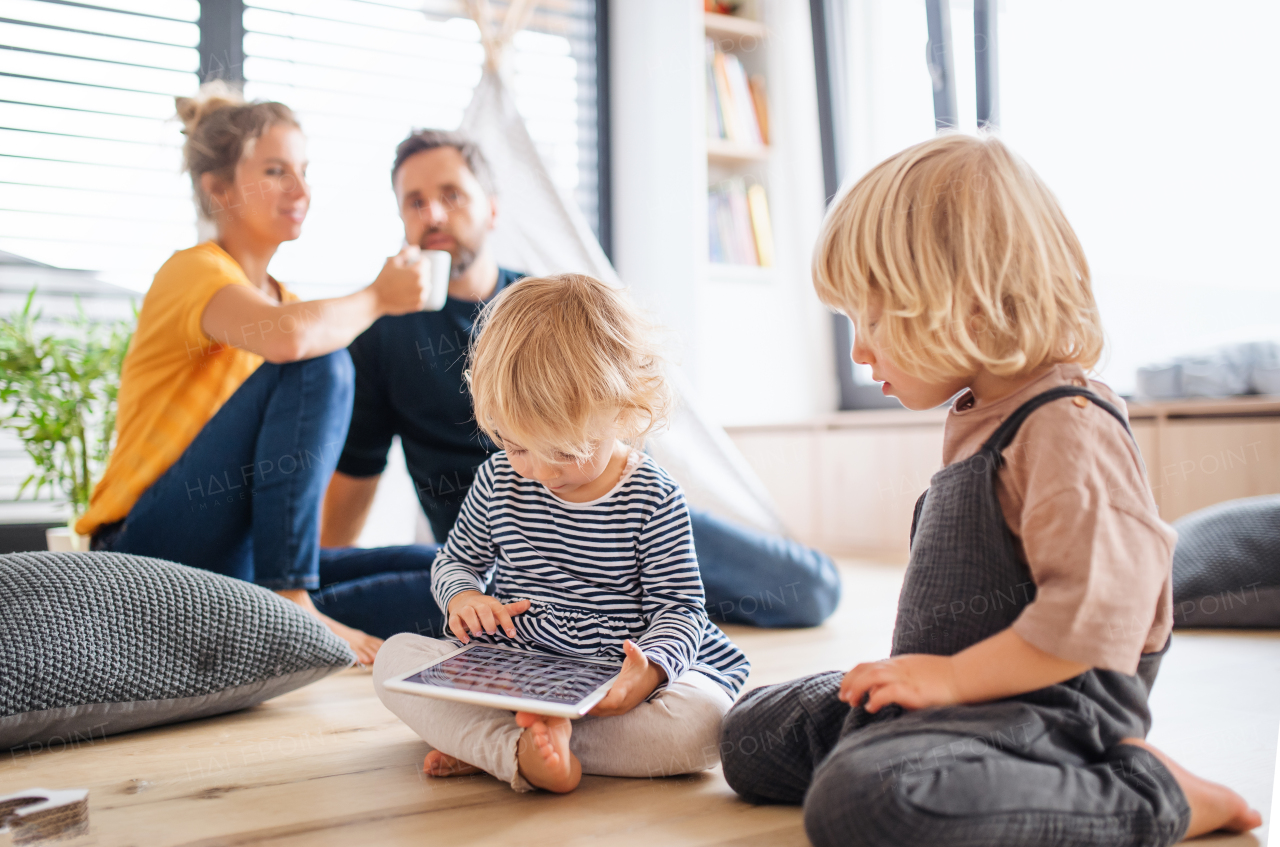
pixel 174 379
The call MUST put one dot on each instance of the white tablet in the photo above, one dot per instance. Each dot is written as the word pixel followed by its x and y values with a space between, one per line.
pixel 509 678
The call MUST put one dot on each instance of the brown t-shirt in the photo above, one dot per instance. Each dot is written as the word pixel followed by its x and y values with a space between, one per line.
pixel 1075 495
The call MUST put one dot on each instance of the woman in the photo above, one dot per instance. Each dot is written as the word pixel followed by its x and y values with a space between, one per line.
pixel 235 396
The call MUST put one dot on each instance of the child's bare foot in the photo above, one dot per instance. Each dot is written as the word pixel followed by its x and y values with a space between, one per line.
pixel 1213 806
pixel 543 753
pixel 442 764
pixel 364 645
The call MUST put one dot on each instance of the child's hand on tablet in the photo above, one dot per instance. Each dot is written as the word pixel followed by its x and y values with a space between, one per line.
pixel 913 681
pixel 476 612
pixel 636 681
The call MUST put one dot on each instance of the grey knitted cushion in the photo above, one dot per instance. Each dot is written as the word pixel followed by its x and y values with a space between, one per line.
pixel 1226 567
pixel 97 643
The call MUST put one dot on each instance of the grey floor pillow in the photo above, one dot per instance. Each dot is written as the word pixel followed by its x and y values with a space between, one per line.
pixel 1226 567
pixel 93 644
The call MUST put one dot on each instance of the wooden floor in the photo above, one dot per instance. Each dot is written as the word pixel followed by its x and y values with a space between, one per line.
pixel 327 765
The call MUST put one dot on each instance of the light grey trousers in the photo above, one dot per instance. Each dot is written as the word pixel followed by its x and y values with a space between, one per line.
pixel 673 733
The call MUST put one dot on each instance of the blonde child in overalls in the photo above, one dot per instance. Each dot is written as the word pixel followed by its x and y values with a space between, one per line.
pixel 1036 605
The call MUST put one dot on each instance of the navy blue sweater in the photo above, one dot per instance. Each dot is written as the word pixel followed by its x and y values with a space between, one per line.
pixel 409 383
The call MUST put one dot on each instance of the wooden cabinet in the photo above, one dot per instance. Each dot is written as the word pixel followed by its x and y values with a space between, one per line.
pixel 1201 452
pixel 847 482
pixel 868 482
pixel 786 459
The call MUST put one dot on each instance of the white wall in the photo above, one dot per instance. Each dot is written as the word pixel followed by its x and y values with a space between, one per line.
pixel 655 69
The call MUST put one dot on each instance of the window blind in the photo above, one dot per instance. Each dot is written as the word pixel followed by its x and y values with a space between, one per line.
pixel 90 162
pixel 360 75
pixel 89 156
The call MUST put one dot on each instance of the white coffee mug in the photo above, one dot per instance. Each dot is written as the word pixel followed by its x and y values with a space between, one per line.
pixel 438 274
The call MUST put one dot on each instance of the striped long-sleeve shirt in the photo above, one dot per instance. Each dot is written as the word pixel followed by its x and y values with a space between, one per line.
pixel 596 573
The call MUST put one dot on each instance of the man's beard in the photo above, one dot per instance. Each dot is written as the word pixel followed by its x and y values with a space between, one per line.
pixel 462 260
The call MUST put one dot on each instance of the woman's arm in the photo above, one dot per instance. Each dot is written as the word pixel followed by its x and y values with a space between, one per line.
pixel 1003 665
pixel 244 317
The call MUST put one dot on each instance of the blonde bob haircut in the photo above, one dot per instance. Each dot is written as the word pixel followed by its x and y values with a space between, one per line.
pixel 558 360
pixel 969 255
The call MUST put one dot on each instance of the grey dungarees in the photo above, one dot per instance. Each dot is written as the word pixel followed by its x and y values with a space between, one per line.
pixel 1042 768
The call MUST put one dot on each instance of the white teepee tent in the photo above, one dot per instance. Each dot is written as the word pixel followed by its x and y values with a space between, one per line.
pixel 541 231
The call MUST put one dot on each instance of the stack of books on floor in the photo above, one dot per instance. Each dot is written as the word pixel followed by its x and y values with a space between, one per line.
pixel 739 227
pixel 736 107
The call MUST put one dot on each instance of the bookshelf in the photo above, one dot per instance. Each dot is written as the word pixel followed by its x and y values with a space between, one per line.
pixel 753 341
pixel 753 274
pixel 739 216
pixel 733 26
pixel 721 151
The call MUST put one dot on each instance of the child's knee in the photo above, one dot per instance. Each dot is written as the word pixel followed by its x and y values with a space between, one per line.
pixel 402 653
pixel 853 801
pixel 704 724
pixel 737 767
pixel 753 745
pixel 688 717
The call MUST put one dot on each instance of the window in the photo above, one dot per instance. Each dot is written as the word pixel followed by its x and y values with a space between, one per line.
pixel 1154 126
pixel 882 102
pixel 89 155
pixel 361 75
pixel 90 151
pixel 1151 125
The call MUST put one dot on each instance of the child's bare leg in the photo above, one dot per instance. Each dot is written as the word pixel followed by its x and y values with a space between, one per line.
pixel 1213 806
pixel 442 764
pixel 543 753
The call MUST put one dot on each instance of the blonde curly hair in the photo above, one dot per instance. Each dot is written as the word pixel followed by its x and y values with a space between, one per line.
pixel 557 360
pixel 971 258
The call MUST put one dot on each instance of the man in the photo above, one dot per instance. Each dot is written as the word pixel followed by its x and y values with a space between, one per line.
pixel 409 382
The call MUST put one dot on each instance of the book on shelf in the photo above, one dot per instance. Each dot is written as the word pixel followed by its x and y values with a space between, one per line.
pixel 761 228
pixel 761 102
pixel 716 127
pixel 738 225
pixel 736 106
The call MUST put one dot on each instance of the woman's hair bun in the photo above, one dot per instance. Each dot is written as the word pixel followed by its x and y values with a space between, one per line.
pixel 212 96
pixel 219 124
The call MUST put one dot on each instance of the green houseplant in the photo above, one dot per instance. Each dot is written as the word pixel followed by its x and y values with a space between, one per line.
pixel 58 384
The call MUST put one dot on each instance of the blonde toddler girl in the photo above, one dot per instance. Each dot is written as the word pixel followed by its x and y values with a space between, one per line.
pixel 587 544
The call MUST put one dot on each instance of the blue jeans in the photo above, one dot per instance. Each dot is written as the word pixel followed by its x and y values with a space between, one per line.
pixel 759 579
pixel 380 590
pixel 244 500
pixel 750 577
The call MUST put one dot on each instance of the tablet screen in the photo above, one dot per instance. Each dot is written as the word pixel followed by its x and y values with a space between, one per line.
pixel 533 676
